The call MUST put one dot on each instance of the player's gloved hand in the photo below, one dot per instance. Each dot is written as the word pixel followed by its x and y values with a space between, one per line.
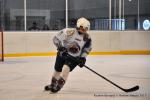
pixel 61 49
pixel 81 61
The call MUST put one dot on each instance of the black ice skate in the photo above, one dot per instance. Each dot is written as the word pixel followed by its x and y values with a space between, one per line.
pixel 52 85
pixel 60 84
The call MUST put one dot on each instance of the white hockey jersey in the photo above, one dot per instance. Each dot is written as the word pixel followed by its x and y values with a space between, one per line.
pixel 75 43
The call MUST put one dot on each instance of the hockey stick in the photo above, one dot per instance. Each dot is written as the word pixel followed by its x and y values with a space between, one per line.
pixel 135 88
pixel 125 90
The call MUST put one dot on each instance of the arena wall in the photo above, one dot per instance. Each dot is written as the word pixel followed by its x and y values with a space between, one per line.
pixel 103 42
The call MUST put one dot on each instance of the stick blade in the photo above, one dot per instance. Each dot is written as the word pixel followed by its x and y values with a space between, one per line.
pixel 132 89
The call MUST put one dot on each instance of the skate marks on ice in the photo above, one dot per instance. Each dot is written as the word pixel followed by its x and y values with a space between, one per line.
pixel 132 75
pixel 26 79
pixel 10 76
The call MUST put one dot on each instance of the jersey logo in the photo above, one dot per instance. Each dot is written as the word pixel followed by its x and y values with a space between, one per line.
pixel 73 48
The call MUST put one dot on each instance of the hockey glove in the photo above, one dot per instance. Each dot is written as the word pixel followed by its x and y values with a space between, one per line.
pixel 81 61
pixel 61 49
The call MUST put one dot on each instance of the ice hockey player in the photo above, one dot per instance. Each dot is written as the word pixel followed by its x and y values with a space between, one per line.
pixel 75 42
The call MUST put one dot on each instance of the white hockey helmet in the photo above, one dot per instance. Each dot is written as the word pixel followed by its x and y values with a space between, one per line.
pixel 83 22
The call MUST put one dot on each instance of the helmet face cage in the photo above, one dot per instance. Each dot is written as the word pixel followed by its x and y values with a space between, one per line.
pixel 84 23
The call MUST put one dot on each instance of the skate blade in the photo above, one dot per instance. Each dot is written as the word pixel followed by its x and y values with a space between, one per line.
pixel 50 92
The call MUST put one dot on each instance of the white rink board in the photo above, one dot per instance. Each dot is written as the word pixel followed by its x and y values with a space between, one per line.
pixel 102 41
